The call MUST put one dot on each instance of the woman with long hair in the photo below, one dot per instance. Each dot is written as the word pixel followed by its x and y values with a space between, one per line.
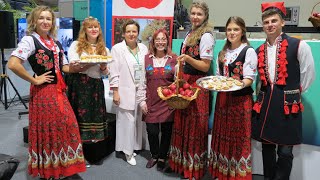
pixel 86 90
pixel 188 149
pixel 55 148
pixel 230 155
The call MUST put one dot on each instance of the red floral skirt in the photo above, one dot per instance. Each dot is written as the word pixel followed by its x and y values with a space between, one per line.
pixel 188 148
pixel 55 148
pixel 230 156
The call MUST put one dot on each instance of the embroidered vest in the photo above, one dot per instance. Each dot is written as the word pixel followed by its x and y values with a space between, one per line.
pixel 235 71
pixel 194 52
pixel 43 59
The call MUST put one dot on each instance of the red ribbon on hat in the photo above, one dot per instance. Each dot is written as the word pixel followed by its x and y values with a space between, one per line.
pixel 278 5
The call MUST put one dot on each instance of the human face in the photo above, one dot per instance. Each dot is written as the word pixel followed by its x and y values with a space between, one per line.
pixel 161 42
pixel 197 16
pixel 272 25
pixel 92 32
pixel 44 23
pixel 131 34
pixel 234 34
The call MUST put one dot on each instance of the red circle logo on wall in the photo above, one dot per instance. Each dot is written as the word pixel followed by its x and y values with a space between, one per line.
pixel 149 4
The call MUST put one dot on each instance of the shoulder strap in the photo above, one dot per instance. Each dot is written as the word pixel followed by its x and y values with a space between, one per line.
pixel 243 53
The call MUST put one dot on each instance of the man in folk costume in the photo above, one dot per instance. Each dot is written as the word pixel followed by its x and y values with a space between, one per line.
pixel 286 69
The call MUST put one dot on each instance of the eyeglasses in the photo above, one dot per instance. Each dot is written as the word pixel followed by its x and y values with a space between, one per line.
pixel 160 40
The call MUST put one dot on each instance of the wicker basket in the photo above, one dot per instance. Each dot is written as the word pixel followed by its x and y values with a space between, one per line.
pixel 178 101
pixel 314 20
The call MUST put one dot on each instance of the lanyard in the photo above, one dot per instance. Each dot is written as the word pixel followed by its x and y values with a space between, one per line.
pixel 136 56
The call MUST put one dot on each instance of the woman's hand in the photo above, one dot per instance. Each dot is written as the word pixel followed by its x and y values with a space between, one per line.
pixel 144 109
pixel 104 68
pixel 44 78
pixel 76 66
pixel 116 98
pixel 183 58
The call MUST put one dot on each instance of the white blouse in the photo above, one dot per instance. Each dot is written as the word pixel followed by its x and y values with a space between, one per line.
pixel 250 63
pixel 26 47
pixel 93 71
pixel 206 46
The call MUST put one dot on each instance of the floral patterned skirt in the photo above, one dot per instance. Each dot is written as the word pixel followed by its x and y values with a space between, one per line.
pixel 188 149
pixel 55 148
pixel 86 96
pixel 230 156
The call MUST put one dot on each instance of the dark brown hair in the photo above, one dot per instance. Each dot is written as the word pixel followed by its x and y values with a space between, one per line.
pixel 240 22
pixel 129 22
pixel 270 12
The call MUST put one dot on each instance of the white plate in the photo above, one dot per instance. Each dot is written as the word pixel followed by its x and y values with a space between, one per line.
pixel 214 81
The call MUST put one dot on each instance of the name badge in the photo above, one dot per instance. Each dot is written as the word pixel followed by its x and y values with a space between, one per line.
pixel 137 72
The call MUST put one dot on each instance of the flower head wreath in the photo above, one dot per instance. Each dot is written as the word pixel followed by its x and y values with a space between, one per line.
pixel 90 18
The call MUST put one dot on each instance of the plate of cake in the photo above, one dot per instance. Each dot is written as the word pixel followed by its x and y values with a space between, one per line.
pixel 220 83
pixel 96 59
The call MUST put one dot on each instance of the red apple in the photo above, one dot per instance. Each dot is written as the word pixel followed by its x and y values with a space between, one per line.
pixel 143 3
pixel 186 85
pixel 173 87
pixel 165 92
pixel 183 93
pixel 181 89
pixel 190 93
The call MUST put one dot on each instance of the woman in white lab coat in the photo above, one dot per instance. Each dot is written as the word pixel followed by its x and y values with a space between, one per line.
pixel 125 75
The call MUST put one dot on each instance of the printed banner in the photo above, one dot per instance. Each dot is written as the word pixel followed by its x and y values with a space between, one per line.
pixel 150 14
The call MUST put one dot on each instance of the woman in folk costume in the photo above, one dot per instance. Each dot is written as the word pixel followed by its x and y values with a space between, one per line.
pixel 125 76
pixel 55 148
pixel 86 90
pixel 286 69
pixel 230 156
pixel 188 150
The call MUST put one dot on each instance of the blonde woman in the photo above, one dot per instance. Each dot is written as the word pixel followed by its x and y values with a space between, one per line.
pixel 86 90
pixel 187 154
pixel 55 148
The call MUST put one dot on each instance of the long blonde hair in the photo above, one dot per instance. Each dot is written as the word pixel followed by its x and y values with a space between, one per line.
pixel 34 16
pixel 197 32
pixel 84 45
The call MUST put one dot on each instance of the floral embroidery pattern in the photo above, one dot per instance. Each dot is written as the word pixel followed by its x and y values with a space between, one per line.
pixel 281 68
pixel 44 59
pixel 159 70
pixel 237 71
pixel 193 50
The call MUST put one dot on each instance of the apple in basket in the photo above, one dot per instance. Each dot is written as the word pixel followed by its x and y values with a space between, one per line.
pixel 173 87
pixel 186 90
pixel 167 92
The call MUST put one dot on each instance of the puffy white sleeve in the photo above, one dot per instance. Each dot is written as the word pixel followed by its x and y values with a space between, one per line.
pixel 25 48
pixel 250 64
pixel 72 53
pixel 206 46
pixel 307 71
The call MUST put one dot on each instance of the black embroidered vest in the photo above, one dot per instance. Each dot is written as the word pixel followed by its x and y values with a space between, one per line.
pixel 194 52
pixel 43 59
pixel 236 64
